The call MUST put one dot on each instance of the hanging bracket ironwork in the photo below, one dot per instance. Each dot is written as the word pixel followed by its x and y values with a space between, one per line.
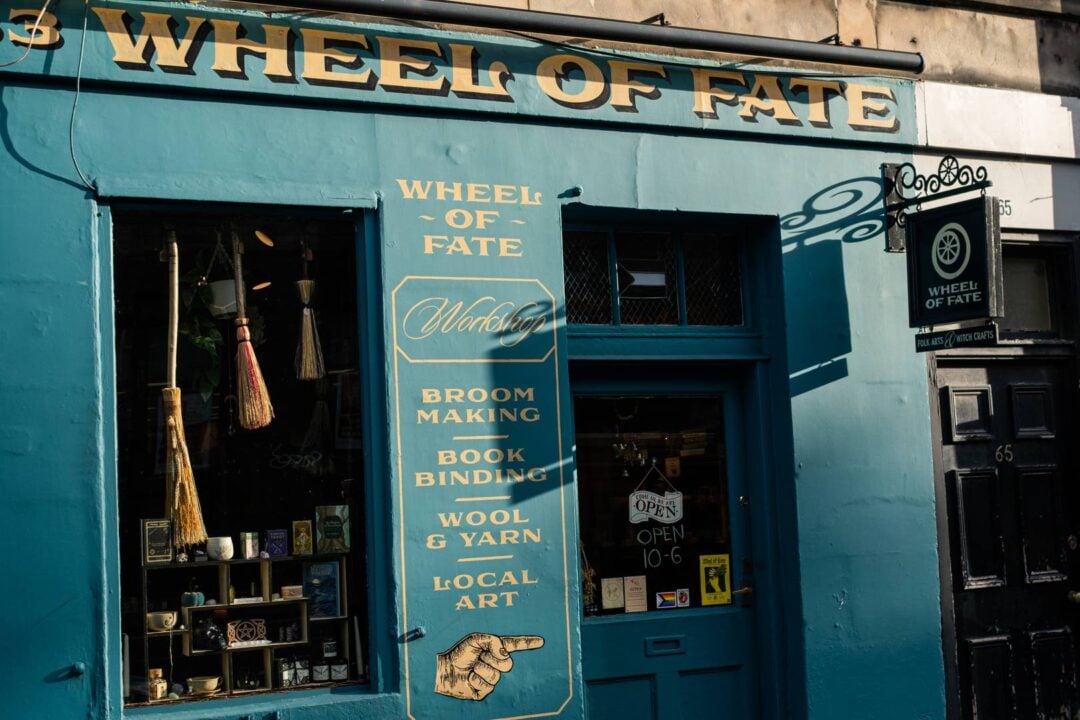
pixel 905 188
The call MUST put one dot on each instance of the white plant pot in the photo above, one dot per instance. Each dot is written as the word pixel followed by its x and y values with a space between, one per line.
pixel 222 298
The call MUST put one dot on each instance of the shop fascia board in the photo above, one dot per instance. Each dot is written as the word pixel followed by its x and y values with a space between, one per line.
pixel 679 101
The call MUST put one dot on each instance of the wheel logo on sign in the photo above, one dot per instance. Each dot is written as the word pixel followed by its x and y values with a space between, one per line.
pixel 951 251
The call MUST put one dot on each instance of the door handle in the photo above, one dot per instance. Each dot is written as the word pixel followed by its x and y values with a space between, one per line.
pixel 746 594
pixel 1074 597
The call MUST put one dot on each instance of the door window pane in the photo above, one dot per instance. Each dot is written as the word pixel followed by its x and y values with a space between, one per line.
pixel 1027 295
pixel 713 284
pixel 588 288
pixel 652 487
pixel 647 284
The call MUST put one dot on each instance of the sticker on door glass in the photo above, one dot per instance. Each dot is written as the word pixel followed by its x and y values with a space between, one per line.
pixel 635 597
pixel 611 593
pixel 715 579
pixel 666 600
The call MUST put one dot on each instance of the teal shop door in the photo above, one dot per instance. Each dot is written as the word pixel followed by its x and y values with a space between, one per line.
pixel 667 580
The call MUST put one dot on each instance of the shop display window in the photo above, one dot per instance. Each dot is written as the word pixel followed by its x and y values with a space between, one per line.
pixel 653 494
pixel 644 277
pixel 274 598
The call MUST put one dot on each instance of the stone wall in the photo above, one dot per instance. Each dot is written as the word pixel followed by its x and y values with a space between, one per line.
pixel 1019 44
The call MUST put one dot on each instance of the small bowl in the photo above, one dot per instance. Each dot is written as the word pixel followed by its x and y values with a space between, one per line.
pixel 203 684
pixel 161 621
pixel 220 548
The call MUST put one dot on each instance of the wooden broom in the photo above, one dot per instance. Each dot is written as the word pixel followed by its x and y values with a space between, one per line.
pixel 252 396
pixel 181 497
pixel 309 357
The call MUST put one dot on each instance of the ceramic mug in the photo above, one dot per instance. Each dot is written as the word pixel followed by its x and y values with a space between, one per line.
pixel 219 548
pixel 161 621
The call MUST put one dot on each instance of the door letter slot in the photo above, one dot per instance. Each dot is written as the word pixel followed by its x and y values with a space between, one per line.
pixel 668 645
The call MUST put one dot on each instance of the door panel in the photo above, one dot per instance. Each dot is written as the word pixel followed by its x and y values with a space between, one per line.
pixel 694 659
pixel 1011 490
pixel 623 697
pixel 1042 540
pixel 978 516
pixel 705 663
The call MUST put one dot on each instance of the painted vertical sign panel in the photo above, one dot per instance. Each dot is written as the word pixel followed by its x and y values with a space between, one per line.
pixel 486 534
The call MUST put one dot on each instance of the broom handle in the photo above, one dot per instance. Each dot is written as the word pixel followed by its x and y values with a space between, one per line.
pixel 173 256
pixel 238 255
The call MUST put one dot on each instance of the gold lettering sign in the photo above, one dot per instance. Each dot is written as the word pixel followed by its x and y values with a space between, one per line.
pixel 173 43
pixel 399 69
pixel 323 52
pixel 231 43
pixel 48 30
pixel 706 92
pixel 552 72
pixel 155 40
pixel 865 109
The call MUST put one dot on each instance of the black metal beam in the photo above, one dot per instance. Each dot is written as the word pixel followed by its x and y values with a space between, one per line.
pixel 619 30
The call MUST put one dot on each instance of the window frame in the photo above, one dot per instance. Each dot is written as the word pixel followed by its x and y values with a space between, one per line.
pixel 1061 263
pixel 380 694
pixel 717 342
pixel 677 235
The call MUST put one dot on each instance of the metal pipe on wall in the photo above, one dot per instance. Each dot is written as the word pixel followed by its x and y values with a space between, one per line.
pixel 619 30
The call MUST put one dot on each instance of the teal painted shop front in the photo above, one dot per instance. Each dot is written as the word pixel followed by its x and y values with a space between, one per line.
pixel 461 168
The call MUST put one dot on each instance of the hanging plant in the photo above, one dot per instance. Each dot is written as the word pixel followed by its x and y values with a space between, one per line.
pixel 198 327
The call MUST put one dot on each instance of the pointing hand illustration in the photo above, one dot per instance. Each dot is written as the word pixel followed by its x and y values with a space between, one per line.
pixel 472 667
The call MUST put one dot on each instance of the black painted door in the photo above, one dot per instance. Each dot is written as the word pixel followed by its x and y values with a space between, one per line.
pixel 1011 488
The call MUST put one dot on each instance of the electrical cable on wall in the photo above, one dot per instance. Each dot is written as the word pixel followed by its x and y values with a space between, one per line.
pixel 75 104
pixel 78 81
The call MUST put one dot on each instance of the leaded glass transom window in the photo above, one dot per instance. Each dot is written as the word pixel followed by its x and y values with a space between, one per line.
pixel 622 276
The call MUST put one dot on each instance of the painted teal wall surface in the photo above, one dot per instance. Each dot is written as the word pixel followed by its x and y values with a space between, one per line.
pixel 860 610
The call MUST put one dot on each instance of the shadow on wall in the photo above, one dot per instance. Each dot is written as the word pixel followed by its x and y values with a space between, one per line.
pixel 819 327
pixel 11 143
pixel 555 466
pixel 1064 179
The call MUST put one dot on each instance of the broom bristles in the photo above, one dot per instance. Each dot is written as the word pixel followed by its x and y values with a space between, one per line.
pixel 252 396
pixel 309 357
pixel 182 498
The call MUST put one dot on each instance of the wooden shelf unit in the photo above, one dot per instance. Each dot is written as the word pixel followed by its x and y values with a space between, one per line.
pixel 266 584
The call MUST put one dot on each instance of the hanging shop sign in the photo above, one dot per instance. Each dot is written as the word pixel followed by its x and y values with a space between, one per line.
pixel 954 263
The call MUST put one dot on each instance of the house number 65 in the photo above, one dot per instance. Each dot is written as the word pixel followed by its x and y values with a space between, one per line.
pixel 1004 453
